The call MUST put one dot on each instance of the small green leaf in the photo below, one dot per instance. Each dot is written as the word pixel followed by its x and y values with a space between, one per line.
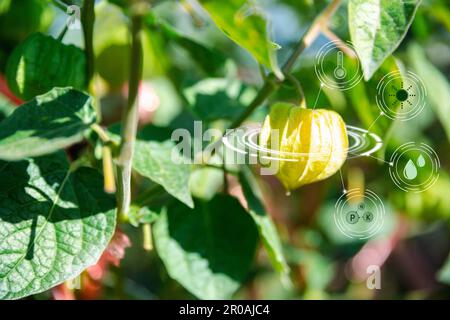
pixel 45 124
pixel 218 98
pixel 244 23
pixel 438 88
pixel 266 227
pixel 54 222
pixel 208 250
pixel 444 273
pixel 142 215
pixel 41 63
pixel 161 163
pixel 6 107
pixel 377 27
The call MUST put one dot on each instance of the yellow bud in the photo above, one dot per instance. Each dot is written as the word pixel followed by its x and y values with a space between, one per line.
pixel 304 145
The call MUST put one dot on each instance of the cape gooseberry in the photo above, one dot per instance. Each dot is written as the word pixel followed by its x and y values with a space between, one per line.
pixel 302 145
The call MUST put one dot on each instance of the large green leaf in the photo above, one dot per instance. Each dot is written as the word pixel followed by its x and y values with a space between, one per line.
pixel 266 227
pixel 363 100
pixel 54 222
pixel 19 18
pixel 208 250
pixel 210 60
pixel 41 63
pixel 47 123
pixel 244 23
pixel 377 27
pixel 161 163
pixel 436 84
pixel 218 98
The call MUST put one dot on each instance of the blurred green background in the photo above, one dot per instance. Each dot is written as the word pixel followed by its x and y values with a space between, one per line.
pixel 414 244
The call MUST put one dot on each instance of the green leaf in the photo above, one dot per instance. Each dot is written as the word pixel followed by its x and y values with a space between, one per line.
pixel 18 19
pixel 444 273
pixel 210 60
pixel 6 107
pixel 206 182
pixel 438 88
pixel 363 100
pixel 161 163
pixel 208 250
pixel 112 44
pixel 267 230
pixel 142 215
pixel 377 27
pixel 54 222
pixel 41 63
pixel 244 23
pixel 47 123
pixel 217 98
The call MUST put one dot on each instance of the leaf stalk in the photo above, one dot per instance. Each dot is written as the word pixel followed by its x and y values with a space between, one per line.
pixel 130 116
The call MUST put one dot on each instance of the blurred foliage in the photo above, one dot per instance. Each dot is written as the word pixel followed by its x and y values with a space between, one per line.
pixel 204 62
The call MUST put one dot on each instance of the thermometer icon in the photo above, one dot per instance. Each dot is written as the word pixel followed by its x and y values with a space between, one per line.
pixel 339 71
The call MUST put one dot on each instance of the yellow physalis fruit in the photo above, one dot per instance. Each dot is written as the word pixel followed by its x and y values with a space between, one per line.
pixel 304 145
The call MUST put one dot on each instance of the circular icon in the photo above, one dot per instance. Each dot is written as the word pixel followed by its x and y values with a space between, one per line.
pixel 352 217
pixel 368 216
pixel 414 167
pixel 401 96
pixel 331 69
pixel 359 215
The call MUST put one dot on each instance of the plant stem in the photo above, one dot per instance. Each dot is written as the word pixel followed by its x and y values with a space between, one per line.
pixel 103 135
pixel 108 170
pixel 130 118
pixel 87 20
pixel 61 5
pixel 63 32
pixel 271 83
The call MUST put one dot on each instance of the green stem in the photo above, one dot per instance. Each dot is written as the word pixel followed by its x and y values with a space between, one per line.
pixel 130 118
pixel 271 83
pixel 61 5
pixel 87 20
pixel 63 32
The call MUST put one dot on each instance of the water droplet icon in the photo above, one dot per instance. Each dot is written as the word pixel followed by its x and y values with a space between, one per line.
pixel 410 171
pixel 420 161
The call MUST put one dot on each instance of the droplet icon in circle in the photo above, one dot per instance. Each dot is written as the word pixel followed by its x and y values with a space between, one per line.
pixel 410 171
pixel 415 167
